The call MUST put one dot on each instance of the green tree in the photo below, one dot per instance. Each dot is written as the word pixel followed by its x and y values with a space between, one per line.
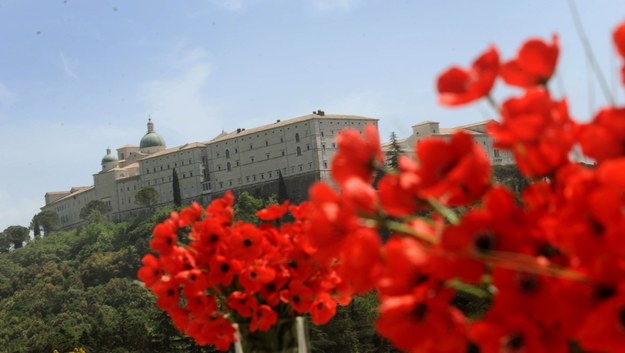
pixel 93 206
pixel 16 235
pixel 48 221
pixel 147 197
pixel 393 153
pixel 510 176
pixel 176 186
pixel 246 206
pixel 34 225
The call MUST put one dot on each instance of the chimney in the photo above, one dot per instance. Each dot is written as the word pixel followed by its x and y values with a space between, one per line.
pixel 277 121
pixel 238 130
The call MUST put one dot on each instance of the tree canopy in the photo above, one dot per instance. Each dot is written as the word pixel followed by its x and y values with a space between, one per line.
pixel 93 206
pixel 147 197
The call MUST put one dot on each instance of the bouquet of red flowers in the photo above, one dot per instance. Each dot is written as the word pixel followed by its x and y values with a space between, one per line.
pixel 227 272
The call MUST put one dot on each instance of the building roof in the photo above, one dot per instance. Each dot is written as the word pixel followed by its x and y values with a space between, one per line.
pixel 186 146
pixel 280 123
pixel 78 190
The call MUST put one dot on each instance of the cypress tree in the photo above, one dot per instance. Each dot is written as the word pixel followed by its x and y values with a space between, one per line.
pixel 176 186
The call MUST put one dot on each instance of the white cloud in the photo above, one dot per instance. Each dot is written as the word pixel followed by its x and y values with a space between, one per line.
pixel 324 6
pixel 68 67
pixel 7 97
pixel 179 102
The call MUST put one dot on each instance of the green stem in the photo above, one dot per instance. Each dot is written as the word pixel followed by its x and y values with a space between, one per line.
pixel 445 211
pixel 589 53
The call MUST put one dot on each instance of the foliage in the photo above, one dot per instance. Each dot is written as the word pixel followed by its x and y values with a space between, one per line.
pixel 176 189
pixel 246 206
pixel 93 206
pixel 47 220
pixel 392 154
pixel 13 235
pixel 147 197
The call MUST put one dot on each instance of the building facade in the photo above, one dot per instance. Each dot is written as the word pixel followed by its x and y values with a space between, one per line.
pixel 298 150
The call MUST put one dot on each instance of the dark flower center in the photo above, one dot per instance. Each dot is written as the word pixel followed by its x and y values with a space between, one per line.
pixel 419 312
pixel 224 267
pixel 604 291
pixel 484 241
pixel 515 342
pixel 213 238
pixel 527 283
pixel 247 243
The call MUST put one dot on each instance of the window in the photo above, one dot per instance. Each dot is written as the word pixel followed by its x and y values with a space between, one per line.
pixel 267 155
pixel 301 167
pixel 299 151
pixel 496 152
pixel 307 147
pixel 237 163
pixel 228 166
pixel 218 166
pixel 254 177
pixel 247 178
pixel 221 184
pixel 262 176
pixel 325 164
pixel 252 158
pixel 323 147
pixel 250 146
pixel 297 137
pixel 281 139
pixel 184 175
pixel 321 133
pixel 266 143
pixel 270 174
pixel 282 153
pixel 230 182
pixel 227 153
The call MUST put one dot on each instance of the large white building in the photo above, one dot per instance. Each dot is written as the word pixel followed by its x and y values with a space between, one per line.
pixel 299 149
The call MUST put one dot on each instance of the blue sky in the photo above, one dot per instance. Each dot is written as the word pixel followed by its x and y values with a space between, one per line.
pixel 79 76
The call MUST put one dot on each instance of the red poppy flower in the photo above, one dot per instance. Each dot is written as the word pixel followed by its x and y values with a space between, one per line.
pixel 360 195
pixel 604 137
pixel 167 293
pixel 534 64
pixel 405 266
pixel 322 309
pixel 273 212
pixel 200 303
pixel 151 271
pixel 416 325
pixel 457 86
pixel 252 278
pixel 223 270
pixel 263 318
pixel 242 303
pixel 538 130
pixel 360 260
pixel 299 296
pixel 398 192
pixel 191 214
pixel 164 237
pixel 603 330
pixel 455 172
pixel 357 155
pixel 515 333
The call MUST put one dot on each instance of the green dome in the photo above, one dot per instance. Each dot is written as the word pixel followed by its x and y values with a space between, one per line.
pixel 151 138
pixel 109 157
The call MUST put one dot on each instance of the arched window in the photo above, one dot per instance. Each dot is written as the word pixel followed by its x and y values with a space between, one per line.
pixel 227 153
pixel 228 166
pixel 299 150
pixel 297 137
